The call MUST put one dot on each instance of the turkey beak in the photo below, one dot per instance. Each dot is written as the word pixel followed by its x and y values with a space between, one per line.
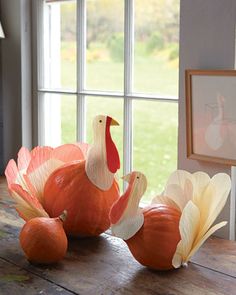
pixel 127 177
pixel 113 122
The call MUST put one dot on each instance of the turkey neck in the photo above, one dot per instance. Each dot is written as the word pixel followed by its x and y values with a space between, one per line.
pixel 96 164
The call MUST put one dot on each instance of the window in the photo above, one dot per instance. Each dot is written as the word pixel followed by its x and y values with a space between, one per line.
pixel 118 58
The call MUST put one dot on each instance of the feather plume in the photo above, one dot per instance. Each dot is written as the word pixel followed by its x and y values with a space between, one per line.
pixel 40 167
pixel 68 153
pixel 201 199
pixel 27 178
pixel 27 205
pixel 24 158
pixel 11 172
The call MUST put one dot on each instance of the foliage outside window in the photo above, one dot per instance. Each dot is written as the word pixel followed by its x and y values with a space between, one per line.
pixel 153 87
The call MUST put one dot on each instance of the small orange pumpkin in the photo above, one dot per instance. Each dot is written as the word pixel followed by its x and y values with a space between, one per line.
pixel 43 239
pixel 154 245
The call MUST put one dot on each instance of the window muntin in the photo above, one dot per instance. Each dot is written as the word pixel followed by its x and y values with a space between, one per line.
pixel 57 118
pixel 136 98
pixel 59 46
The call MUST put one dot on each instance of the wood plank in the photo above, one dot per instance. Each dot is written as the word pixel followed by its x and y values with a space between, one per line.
pixel 14 280
pixel 219 255
pixel 3 188
pixel 104 265
pixel 216 254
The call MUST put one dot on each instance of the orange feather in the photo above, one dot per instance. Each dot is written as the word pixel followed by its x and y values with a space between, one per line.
pixel 39 156
pixel 24 158
pixel 11 172
pixel 68 153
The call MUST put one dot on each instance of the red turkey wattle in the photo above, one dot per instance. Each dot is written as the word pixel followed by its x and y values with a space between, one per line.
pixel 113 159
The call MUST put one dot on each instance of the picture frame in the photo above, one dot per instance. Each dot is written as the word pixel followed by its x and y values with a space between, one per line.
pixel 211 115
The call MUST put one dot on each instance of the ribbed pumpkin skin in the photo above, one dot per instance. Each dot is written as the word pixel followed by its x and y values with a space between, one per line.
pixel 43 240
pixel 155 243
pixel 68 188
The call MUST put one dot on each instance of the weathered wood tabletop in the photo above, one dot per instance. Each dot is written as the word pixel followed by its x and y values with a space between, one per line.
pixel 104 265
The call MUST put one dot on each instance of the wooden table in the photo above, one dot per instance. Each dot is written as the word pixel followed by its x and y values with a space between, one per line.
pixel 104 265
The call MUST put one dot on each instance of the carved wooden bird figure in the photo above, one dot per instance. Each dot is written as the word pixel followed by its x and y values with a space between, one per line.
pixel 165 234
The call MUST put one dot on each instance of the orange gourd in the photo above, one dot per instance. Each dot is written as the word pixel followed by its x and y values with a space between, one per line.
pixel 43 239
pixel 155 243
pixel 87 206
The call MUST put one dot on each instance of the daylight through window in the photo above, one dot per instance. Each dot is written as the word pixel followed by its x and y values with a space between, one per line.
pixel 118 58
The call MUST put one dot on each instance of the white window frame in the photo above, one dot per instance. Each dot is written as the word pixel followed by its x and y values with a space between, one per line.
pixel 127 95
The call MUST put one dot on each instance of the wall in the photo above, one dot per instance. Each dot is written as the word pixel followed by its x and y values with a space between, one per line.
pixel 207 41
pixel 11 76
pixel 1 115
pixel 16 78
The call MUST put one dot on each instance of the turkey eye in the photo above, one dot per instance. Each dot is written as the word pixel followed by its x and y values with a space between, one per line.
pixel 100 121
pixel 137 177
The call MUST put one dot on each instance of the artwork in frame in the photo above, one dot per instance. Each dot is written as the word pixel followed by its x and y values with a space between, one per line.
pixel 211 115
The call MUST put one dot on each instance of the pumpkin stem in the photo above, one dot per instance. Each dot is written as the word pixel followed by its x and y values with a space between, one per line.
pixel 63 216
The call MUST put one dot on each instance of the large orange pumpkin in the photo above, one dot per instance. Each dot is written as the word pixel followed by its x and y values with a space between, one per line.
pixel 155 243
pixel 87 206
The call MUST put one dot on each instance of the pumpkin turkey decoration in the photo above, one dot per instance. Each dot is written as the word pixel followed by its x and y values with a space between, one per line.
pixel 167 233
pixel 72 177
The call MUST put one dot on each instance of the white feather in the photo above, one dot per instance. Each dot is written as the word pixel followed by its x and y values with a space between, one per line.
pixel 128 227
pixel 208 199
pixel 188 227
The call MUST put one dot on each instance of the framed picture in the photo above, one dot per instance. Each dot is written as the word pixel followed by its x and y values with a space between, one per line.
pixel 211 115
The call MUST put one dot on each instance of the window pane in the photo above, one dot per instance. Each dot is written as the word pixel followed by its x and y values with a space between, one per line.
pixel 155 142
pixel 59 45
pixel 57 119
pixel 105 44
pixel 112 107
pixel 156 47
